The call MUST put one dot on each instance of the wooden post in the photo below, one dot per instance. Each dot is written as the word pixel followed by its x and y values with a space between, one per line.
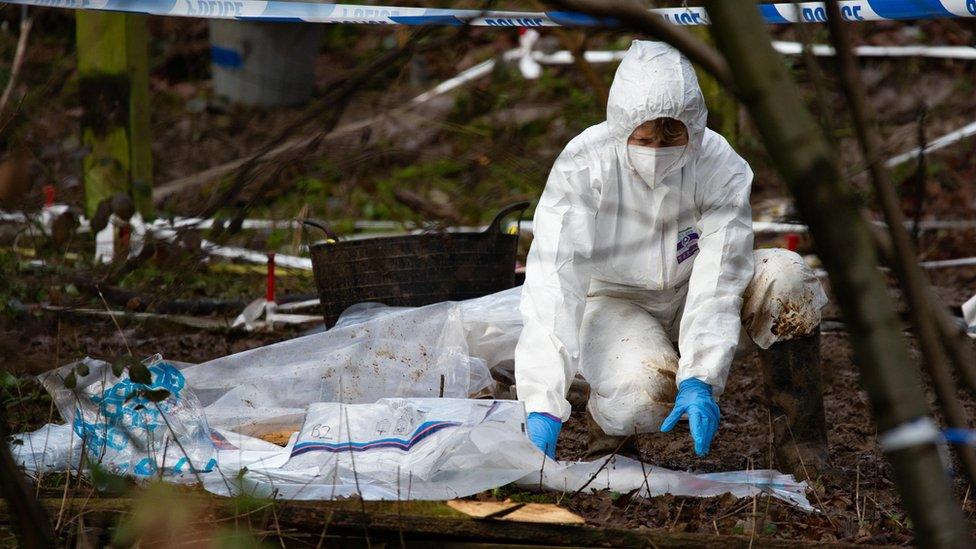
pixel 846 246
pixel 113 69
pixel 793 387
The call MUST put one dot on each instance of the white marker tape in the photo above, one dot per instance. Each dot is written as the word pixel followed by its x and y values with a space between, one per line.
pixel 937 52
pixel 940 143
pixel 909 434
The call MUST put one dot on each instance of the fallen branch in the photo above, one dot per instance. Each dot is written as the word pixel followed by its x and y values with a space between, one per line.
pixel 639 18
pixel 137 302
pixel 421 205
pixel 333 105
pixel 194 180
pixel 25 27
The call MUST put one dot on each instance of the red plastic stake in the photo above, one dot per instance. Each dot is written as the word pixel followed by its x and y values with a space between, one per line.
pixel 271 278
pixel 792 241
pixel 49 193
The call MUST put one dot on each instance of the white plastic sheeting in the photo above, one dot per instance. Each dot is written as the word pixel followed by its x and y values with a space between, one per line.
pixel 349 440
pixel 435 449
pixel 422 448
pixel 969 315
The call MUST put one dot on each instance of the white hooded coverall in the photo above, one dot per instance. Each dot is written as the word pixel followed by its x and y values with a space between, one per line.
pixel 619 269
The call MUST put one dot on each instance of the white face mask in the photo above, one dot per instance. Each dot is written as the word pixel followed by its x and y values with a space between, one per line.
pixel 653 165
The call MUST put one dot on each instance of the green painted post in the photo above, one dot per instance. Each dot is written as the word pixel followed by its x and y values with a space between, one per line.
pixel 113 71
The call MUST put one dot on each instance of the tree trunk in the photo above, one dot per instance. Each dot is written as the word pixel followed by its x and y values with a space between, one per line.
pixel 902 254
pixel 845 245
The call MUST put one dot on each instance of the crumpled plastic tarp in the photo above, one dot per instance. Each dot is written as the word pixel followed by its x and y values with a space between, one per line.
pixel 409 353
pixel 491 324
pixel 349 439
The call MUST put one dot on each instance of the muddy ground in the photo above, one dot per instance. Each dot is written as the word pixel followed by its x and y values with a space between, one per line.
pixel 857 496
pixel 492 143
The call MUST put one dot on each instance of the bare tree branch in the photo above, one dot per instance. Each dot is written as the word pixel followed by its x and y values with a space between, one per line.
pixel 25 28
pixel 902 253
pixel 846 246
pixel 639 18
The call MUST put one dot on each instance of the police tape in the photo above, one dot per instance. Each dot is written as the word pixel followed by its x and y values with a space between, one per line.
pixel 286 11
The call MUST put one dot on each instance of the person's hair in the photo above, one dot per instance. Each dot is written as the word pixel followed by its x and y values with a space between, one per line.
pixel 669 129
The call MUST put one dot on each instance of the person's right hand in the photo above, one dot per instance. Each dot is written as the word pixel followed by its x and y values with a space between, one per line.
pixel 543 430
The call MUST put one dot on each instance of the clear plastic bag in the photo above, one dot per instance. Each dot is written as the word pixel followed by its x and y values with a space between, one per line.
pixel 406 353
pixel 137 429
pixel 491 324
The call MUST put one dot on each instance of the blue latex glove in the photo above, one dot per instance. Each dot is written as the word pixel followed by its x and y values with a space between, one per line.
pixel 695 399
pixel 543 430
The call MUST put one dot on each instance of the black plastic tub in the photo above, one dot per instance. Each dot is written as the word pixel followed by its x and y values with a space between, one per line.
pixel 415 270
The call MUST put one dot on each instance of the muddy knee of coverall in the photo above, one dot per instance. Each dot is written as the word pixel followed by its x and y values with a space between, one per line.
pixel 637 402
pixel 599 444
pixel 783 300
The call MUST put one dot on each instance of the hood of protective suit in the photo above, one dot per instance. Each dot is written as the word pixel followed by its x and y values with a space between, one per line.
pixel 655 81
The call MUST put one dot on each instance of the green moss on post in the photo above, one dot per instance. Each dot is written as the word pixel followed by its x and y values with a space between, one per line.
pixel 113 69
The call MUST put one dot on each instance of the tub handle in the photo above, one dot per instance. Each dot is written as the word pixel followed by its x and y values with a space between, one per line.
pixel 496 223
pixel 320 225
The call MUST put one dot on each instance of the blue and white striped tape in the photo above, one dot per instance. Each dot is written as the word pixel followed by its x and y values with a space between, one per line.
pixel 278 10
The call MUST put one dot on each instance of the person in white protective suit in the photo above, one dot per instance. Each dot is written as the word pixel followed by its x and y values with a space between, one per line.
pixel 643 238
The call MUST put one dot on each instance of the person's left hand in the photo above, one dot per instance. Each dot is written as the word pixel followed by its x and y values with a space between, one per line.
pixel 695 399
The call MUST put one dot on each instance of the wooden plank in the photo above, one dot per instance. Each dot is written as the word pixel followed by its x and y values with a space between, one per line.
pixel 420 523
pixel 541 513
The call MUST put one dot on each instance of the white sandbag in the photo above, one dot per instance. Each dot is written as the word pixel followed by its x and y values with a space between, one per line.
pixel 410 353
pixel 134 428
